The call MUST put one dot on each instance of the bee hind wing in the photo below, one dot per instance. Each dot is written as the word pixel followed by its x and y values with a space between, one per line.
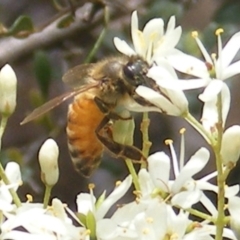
pixel 79 75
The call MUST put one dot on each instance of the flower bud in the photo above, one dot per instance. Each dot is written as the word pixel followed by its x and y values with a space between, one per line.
pixel 230 149
pixel 48 159
pixel 13 173
pixel 8 82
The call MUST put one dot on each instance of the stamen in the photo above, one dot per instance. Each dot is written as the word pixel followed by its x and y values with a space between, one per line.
pixel 87 232
pixel 174 157
pixel 219 31
pixel 91 186
pixel 182 148
pixel 149 220
pixel 145 231
pixel 118 183
pixel 201 47
pixel 29 198
pixel 137 193
pixel 194 34
pixel 168 141
pixel 182 130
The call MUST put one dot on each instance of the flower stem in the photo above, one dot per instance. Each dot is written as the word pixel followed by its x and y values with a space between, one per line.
pixel 199 128
pixel 132 171
pixel 3 176
pixel 221 176
pixel 201 215
pixel 47 195
pixel 146 143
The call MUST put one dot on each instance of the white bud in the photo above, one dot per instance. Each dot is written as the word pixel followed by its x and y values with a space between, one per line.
pixel 48 159
pixel 230 150
pixel 13 173
pixel 8 87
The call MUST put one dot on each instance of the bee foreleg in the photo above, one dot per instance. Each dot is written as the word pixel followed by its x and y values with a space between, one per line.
pixel 120 150
pixel 107 110
pixel 142 101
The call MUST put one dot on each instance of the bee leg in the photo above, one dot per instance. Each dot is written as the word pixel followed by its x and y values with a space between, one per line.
pixel 142 101
pixel 118 149
pixel 104 108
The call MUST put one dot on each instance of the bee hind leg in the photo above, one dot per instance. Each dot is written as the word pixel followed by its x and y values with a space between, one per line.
pixel 118 149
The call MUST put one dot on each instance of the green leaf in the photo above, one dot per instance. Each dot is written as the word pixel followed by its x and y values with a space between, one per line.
pixel 43 72
pixel 22 27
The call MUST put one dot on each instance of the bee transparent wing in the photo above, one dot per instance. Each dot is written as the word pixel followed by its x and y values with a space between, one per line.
pixel 55 102
pixel 78 75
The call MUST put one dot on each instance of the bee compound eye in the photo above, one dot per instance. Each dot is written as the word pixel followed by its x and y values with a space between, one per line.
pixel 128 71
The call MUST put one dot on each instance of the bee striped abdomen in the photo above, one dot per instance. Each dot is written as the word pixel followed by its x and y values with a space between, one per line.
pixel 84 147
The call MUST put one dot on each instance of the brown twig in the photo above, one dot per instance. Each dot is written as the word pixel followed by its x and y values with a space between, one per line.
pixel 11 48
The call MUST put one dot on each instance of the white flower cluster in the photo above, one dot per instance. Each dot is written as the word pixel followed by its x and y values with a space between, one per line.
pixel 164 206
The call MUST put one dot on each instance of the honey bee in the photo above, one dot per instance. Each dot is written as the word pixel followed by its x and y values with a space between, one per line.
pixel 101 92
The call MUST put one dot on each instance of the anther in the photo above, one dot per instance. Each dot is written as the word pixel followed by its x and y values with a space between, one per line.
pixel 168 141
pixel 194 34
pixel 219 31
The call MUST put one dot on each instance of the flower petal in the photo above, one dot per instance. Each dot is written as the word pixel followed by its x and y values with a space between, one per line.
pixel 159 170
pixel 212 90
pixel 123 47
pixel 230 49
pixel 145 182
pixel 207 203
pixel 186 199
pixel 117 193
pixel 84 203
pixel 135 33
pixel 232 70
pixel 196 163
pixel 234 209
pixel 210 111
pixel 187 64
pixel 158 100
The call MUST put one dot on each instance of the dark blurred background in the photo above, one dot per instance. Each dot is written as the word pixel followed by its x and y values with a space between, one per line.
pixel 40 52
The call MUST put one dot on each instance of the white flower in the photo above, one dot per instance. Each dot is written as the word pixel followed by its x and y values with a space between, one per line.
pixel 8 88
pixel 154 220
pixel 211 69
pixel 167 100
pixel 40 223
pixel 48 159
pixel 183 190
pixel 13 174
pixel 91 210
pixel 212 72
pixel 152 41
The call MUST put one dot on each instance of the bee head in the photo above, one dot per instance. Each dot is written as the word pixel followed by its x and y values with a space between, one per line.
pixel 135 72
